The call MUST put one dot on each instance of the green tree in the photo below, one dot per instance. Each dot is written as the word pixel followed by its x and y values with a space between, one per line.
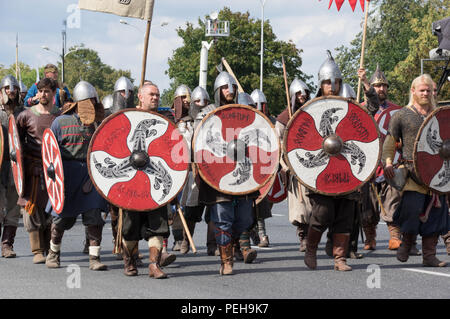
pixel 398 37
pixel 27 74
pixel 241 50
pixel 85 64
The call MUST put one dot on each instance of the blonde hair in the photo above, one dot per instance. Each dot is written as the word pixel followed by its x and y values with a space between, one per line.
pixel 425 79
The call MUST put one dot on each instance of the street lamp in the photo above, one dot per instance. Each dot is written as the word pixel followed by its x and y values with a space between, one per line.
pixel 263 2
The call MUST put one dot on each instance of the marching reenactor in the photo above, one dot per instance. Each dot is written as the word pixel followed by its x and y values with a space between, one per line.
pixel 230 214
pixel 10 214
pixel 73 130
pixel 334 212
pixel 299 204
pixel 421 210
pixel 31 124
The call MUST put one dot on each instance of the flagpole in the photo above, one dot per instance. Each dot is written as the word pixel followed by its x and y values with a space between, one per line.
pixel 17 55
pixel 363 44
pixel 144 58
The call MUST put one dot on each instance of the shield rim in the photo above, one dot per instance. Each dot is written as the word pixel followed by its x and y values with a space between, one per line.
pixel 416 143
pixel 12 121
pixel 195 138
pixel 102 124
pixel 288 125
pixel 48 130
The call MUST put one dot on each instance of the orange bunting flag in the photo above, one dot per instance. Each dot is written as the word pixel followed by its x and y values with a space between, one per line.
pixel 339 4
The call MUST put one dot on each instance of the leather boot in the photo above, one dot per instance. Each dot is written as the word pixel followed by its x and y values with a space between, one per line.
pixel 263 239
pixel 340 245
pixel 237 250
pixel 446 239
pixel 129 253
pixel 211 244
pixel 302 233
pixel 312 242
pixel 53 257
pixel 9 233
pixel 254 236
pixel 329 244
pixel 154 270
pixel 37 247
pixel 94 259
pixel 184 249
pixel 226 259
pixel 395 234
pixel 414 251
pixel 371 233
pixel 405 247
pixel 166 258
pixel 248 254
pixel 429 259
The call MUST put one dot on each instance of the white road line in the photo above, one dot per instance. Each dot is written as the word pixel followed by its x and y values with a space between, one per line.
pixel 278 215
pixel 263 248
pixel 427 272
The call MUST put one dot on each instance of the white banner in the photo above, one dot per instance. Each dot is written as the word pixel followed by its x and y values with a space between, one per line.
pixel 141 9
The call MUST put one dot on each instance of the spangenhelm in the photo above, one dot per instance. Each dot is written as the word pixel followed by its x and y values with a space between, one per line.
pixel 378 77
pixel 123 83
pixel 10 81
pixel 84 90
pixel 296 86
pixel 200 93
pixel 259 98
pixel 329 70
pixel 347 91
pixel 183 90
pixel 245 99
pixel 107 101
pixel 224 78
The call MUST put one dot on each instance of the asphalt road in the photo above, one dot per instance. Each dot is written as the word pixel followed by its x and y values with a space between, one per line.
pixel 278 272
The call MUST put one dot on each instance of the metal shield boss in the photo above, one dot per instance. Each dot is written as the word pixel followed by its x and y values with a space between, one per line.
pixel 53 170
pixel 332 145
pixel 236 149
pixel 15 154
pixel 432 151
pixel 138 160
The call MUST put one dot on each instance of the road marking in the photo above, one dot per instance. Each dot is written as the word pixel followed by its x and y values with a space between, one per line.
pixel 257 247
pixel 278 215
pixel 427 272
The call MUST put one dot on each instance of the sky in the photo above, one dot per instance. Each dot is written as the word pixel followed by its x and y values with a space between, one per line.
pixel 308 23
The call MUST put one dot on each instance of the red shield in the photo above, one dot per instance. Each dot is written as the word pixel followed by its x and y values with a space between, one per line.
pixel 383 125
pixel 53 170
pixel 432 151
pixel 15 154
pixel 236 149
pixel 138 160
pixel 278 192
pixel 332 145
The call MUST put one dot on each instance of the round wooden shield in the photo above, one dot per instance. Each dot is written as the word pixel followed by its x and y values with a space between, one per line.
pixel 432 151
pixel 15 154
pixel 53 170
pixel 278 192
pixel 236 149
pixel 332 145
pixel 138 160
pixel 383 125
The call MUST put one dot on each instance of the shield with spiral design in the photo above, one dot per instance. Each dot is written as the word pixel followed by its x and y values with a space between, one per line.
pixel 432 151
pixel 236 149
pixel 332 145
pixel 138 160
pixel 15 154
pixel 53 170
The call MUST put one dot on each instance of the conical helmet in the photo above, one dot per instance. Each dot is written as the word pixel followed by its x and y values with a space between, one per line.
pixel 183 90
pixel 200 94
pixel 245 99
pixel 378 77
pixel 224 78
pixel 84 90
pixel 347 91
pixel 10 81
pixel 329 70
pixel 123 83
pixel 259 98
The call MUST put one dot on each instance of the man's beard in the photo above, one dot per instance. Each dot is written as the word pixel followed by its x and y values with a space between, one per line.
pixel 43 101
pixel 382 97
pixel 229 97
pixel 422 101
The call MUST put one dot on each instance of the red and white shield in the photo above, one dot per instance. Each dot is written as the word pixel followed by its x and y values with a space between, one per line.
pixel 236 149
pixel 332 145
pixel 383 125
pixel 15 154
pixel 432 151
pixel 138 160
pixel 53 170
pixel 278 192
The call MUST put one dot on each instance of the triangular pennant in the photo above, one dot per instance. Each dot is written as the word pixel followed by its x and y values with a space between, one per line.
pixel 362 2
pixel 339 4
pixel 353 4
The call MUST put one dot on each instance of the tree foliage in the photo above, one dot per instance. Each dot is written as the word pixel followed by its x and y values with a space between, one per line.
pixel 398 37
pixel 241 50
